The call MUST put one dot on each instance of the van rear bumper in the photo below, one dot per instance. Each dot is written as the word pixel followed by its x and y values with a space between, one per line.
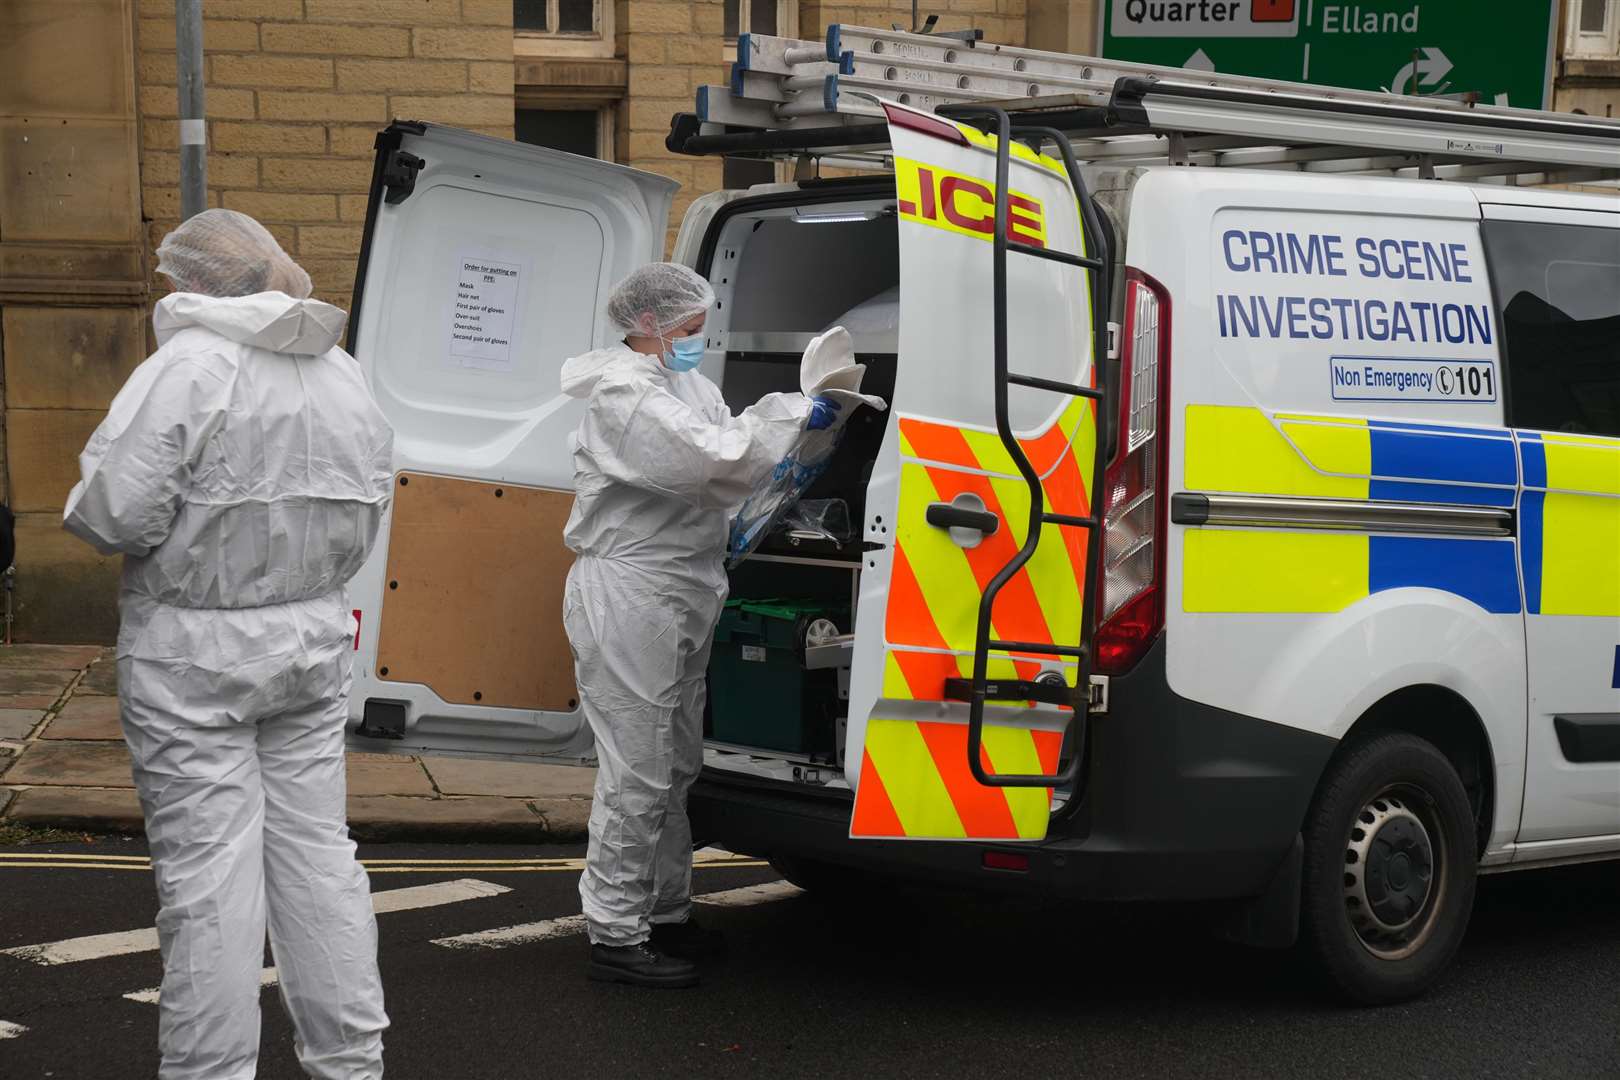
pixel 1185 802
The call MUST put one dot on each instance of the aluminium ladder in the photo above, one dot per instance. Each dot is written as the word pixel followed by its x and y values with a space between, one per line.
pixel 789 96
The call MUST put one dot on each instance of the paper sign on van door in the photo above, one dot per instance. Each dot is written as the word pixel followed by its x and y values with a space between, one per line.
pixel 483 315
pixel 964 204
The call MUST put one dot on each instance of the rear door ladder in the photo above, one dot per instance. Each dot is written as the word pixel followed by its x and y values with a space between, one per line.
pixel 980 688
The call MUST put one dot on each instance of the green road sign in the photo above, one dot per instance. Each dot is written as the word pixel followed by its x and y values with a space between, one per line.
pixel 1500 50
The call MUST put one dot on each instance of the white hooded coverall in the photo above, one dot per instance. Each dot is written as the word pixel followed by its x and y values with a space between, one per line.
pixel 243 471
pixel 659 464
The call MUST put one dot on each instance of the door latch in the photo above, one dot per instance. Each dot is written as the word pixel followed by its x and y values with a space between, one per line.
pixel 965 517
pixel 1099 694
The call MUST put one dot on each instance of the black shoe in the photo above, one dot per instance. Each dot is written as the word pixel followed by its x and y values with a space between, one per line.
pixel 689 940
pixel 640 965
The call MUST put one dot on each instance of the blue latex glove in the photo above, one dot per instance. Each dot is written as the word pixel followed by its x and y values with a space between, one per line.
pixel 823 413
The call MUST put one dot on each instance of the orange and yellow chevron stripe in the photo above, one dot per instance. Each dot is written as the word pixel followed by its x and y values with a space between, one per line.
pixel 915 780
pixel 936 585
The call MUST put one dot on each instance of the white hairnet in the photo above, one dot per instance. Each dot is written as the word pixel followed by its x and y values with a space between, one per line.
pixel 657 298
pixel 227 253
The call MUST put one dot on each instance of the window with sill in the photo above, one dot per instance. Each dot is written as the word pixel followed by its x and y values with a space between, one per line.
pixel 587 132
pixel 563 27
pixel 1592 30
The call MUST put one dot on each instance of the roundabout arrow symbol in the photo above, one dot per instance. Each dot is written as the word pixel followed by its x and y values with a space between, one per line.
pixel 1430 69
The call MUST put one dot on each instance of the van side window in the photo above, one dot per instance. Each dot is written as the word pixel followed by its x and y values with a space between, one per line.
pixel 1558 292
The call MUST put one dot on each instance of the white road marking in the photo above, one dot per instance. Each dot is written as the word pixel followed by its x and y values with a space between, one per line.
pixel 522 934
pixel 150 995
pixel 98 946
pixel 435 895
pixel 749 895
pixel 93 947
pixel 527 933
pixel 8 1030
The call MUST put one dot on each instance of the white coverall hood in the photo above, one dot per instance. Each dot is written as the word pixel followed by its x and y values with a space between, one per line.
pixel 243 471
pixel 269 320
pixel 244 464
pixel 580 374
pixel 659 463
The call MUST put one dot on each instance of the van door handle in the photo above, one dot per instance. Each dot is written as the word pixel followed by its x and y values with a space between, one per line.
pixel 958 516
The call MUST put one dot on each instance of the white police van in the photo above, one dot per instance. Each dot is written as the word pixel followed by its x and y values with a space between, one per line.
pixel 1305 602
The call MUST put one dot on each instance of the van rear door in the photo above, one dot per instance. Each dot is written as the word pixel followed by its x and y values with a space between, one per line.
pixel 942 462
pixel 485 264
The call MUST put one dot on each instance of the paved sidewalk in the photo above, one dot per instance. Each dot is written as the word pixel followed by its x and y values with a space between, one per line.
pixel 63 764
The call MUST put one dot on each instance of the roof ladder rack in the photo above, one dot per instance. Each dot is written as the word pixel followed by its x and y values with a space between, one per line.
pixel 824 98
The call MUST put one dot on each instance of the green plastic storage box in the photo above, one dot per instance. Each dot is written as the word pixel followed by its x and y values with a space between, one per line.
pixel 759 691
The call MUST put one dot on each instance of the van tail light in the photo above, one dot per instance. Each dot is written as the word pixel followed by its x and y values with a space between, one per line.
pixel 1135 504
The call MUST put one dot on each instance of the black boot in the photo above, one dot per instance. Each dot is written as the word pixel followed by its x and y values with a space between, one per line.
pixel 640 965
pixel 689 940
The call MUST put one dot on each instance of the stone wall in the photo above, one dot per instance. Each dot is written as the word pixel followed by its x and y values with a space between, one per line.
pixel 72 286
pixel 297 90
pixel 1003 21
pixel 89 183
pixel 672 48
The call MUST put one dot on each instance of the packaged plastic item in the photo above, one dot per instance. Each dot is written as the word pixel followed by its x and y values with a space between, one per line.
pixel 818 519
pixel 791 478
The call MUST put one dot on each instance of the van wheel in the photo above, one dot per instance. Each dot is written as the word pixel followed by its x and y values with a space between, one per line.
pixel 1390 869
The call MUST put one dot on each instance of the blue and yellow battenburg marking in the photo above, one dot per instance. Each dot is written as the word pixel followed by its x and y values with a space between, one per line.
pixel 1241 450
pixel 1569 524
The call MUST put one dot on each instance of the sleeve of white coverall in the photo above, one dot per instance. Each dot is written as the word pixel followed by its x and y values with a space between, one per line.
pixel 644 436
pixel 378 461
pixel 137 464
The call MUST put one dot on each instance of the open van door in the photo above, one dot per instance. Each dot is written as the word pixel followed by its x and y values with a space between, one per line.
pixel 971 629
pixel 485 264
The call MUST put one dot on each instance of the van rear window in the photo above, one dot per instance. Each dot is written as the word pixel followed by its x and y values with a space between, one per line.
pixel 1558 293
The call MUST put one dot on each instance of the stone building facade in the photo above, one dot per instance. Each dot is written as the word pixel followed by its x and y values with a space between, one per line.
pixel 89 183
pixel 1587 78
pixel 73 285
pixel 296 91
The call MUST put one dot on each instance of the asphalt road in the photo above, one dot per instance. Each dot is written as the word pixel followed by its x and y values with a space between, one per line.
pixel 902 986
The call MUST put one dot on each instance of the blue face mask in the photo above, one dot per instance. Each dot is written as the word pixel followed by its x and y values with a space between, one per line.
pixel 684 353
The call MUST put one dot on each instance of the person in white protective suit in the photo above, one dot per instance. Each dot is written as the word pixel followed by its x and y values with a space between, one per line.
pixel 659 463
pixel 243 471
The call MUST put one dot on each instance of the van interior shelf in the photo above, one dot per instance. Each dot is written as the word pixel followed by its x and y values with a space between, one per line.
pixel 791 345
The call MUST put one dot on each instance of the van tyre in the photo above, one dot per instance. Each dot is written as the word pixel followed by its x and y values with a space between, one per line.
pixel 1390 869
